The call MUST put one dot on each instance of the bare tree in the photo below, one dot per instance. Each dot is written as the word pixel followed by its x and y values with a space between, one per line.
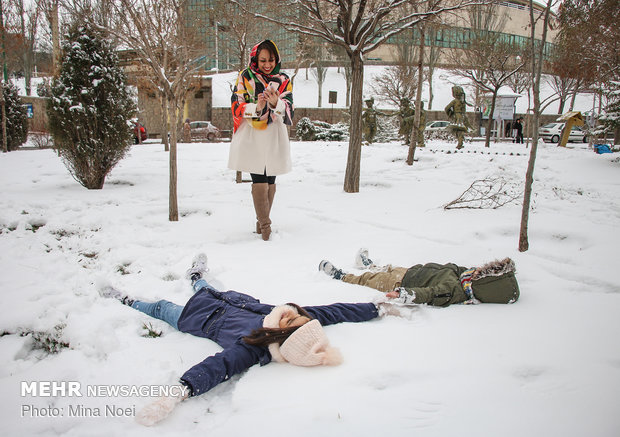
pixel 242 34
pixel 401 80
pixel 395 83
pixel 29 22
pixel 423 27
pixel 432 60
pixel 537 59
pixel 490 61
pixel 5 147
pixel 319 68
pixel 359 27
pixel 162 38
pixel 51 11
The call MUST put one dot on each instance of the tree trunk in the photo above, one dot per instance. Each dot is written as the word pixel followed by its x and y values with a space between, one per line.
pixel 430 89
pixel 561 105
pixel 173 208
pixel 487 136
pixel 347 79
pixel 537 60
pixel 574 95
pixel 55 39
pixel 5 148
pixel 529 179
pixel 164 123
pixel 352 175
pixel 413 140
pixel 25 57
pixel 319 81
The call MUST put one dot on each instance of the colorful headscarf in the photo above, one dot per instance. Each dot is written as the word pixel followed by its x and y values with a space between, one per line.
pixel 251 82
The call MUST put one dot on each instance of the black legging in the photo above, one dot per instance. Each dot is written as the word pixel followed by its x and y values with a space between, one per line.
pixel 263 178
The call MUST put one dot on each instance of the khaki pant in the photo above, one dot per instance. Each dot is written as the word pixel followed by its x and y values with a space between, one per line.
pixel 384 279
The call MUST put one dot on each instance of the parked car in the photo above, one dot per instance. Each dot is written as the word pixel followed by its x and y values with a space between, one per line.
pixel 553 131
pixel 437 125
pixel 204 130
pixel 138 128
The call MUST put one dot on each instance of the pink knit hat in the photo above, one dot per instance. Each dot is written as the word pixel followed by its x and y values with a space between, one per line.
pixel 308 346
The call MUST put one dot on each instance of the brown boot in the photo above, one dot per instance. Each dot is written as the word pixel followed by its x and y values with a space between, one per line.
pixel 270 195
pixel 260 195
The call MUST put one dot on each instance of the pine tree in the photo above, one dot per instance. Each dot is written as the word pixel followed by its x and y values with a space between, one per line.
pixel 610 118
pixel 90 107
pixel 16 118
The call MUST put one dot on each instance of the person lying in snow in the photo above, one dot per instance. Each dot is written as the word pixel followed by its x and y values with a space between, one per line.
pixel 249 331
pixel 434 284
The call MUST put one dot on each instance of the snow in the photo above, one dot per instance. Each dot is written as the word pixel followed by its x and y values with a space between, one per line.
pixel 546 365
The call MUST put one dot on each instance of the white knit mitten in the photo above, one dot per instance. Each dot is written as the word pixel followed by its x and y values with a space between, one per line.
pixel 395 309
pixel 160 409
pixel 404 296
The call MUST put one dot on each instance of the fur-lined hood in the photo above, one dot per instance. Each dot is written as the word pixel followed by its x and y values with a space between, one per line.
pixel 494 268
pixel 272 320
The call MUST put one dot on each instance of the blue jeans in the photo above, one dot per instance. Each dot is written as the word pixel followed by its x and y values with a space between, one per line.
pixel 167 311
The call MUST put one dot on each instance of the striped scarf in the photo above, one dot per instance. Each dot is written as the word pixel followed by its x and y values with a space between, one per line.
pixel 466 279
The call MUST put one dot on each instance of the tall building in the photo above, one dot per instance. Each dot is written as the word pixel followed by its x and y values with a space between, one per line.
pixel 220 25
pixel 217 20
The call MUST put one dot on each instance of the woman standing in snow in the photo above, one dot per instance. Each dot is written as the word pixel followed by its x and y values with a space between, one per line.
pixel 262 107
pixel 249 331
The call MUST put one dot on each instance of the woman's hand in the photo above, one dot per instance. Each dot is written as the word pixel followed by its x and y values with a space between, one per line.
pixel 262 101
pixel 160 409
pixel 272 96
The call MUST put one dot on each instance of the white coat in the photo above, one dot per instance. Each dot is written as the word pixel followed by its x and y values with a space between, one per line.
pixel 259 151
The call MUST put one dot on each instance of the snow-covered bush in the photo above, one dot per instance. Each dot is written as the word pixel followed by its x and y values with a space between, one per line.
pixel 610 118
pixel 90 107
pixel 315 130
pixel 305 129
pixel 44 88
pixel 16 118
pixel 387 130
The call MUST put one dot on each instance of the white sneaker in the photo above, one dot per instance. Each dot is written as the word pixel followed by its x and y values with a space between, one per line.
pixel 199 265
pixel 361 259
pixel 329 269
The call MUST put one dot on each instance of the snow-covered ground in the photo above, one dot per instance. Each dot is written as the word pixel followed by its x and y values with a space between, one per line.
pixel 548 365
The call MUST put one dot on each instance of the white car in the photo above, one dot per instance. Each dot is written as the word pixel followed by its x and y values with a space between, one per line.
pixel 553 131
pixel 204 130
pixel 437 125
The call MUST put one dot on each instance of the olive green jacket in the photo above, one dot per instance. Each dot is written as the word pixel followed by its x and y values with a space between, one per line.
pixel 435 284
pixel 440 285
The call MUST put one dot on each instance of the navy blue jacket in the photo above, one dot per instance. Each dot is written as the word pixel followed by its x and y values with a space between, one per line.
pixel 227 317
